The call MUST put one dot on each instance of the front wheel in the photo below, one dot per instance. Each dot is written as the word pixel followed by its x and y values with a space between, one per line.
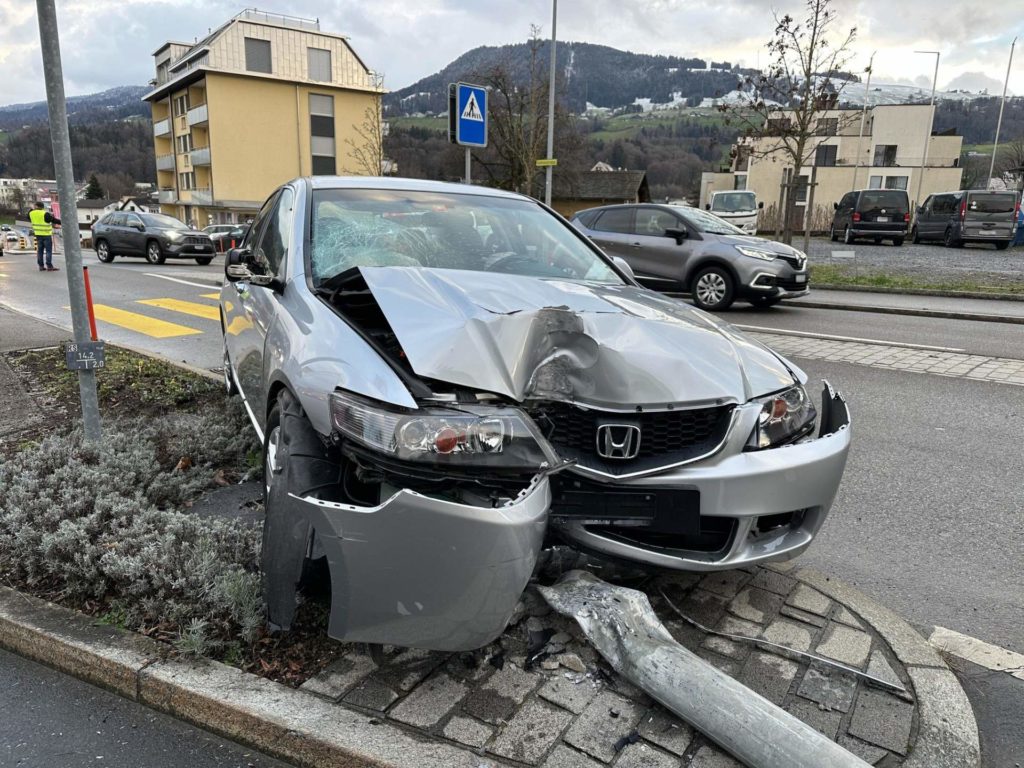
pixel 897 241
pixel 915 236
pixel 763 302
pixel 103 252
pixel 154 255
pixel 847 235
pixel 832 233
pixel 950 240
pixel 713 289
pixel 203 260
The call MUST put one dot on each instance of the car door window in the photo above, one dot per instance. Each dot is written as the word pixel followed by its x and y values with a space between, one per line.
pixel 652 222
pixel 272 246
pixel 116 220
pixel 131 220
pixel 618 220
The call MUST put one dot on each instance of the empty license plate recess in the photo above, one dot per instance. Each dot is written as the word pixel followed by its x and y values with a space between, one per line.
pixel 666 510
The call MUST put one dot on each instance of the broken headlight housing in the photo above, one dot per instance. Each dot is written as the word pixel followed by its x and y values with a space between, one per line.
pixel 495 437
pixel 785 416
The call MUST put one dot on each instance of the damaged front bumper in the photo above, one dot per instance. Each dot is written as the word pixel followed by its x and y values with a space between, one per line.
pixel 425 572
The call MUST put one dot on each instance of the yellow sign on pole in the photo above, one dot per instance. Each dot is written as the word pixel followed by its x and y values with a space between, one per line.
pixel 544 163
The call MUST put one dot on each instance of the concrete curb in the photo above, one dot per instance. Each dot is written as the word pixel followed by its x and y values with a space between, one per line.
pixel 920 292
pixel 947 732
pixel 278 720
pixel 945 314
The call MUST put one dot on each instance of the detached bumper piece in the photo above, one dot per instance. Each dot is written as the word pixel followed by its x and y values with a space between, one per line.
pixel 426 572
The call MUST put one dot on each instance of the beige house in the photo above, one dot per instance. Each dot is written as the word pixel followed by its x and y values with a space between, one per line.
pixel 889 155
pixel 260 100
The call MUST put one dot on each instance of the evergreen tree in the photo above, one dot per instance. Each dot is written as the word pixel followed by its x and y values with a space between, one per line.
pixel 93 191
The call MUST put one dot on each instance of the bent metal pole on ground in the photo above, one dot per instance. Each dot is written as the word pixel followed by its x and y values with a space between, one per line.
pixel 57 108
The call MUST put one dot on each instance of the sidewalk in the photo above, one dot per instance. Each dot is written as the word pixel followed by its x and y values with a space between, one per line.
pixel 994 310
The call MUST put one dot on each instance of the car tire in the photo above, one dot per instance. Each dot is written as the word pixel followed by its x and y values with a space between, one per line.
pixel 847 235
pixel 103 252
pixel 950 241
pixel 878 241
pixel 763 302
pixel 712 289
pixel 202 261
pixel 832 233
pixel 154 253
pixel 915 237
pixel 229 379
pixel 897 241
pixel 295 463
pixel 1002 246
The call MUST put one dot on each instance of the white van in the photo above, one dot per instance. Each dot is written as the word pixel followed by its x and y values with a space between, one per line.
pixel 738 206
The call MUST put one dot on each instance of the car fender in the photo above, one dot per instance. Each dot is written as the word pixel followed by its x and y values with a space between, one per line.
pixel 701 261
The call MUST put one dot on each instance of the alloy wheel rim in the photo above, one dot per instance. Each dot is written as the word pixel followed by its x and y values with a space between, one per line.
pixel 711 288
pixel 154 253
pixel 103 252
pixel 227 373
pixel 273 466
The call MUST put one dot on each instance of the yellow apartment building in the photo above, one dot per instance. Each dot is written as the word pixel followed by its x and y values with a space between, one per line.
pixel 888 154
pixel 260 100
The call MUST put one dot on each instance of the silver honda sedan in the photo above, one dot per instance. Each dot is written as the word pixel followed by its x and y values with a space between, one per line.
pixel 449 378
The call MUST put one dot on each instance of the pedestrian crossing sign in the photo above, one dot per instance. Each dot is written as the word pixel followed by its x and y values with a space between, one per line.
pixel 468 107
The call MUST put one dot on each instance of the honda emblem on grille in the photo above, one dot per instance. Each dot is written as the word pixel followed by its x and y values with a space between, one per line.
pixel 618 441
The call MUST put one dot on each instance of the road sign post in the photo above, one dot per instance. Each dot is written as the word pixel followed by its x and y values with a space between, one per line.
pixel 467 118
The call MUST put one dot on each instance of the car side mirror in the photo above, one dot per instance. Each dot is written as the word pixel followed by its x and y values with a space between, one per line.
pixel 678 234
pixel 623 266
pixel 139 227
pixel 236 265
pixel 707 206
pixel 760 206
pixel 920 209
pixel 835 206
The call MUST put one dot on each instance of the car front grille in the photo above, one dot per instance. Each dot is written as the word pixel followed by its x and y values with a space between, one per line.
pixel 193 240
pixel 797 262
pixel 666 437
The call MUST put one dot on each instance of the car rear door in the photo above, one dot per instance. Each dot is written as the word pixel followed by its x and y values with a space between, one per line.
pixel 113 226
pixel 613 230
pixel 658 260
pixel 990 215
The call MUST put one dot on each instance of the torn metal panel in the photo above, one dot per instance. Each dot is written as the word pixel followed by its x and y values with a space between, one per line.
pixel 625 630
pixel 425 572
pixel 605 345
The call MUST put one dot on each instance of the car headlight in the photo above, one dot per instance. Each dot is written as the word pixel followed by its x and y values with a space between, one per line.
pixel 173 235
pixel 756 253
pixel 784 416
pixel 459 436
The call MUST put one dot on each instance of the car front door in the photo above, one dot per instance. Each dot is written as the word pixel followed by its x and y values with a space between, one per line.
pixel 658 259
pixel 133 234
pixel 113 231
pixel 612 232
pixel 844 212
pixel 924 215
pixel 248 322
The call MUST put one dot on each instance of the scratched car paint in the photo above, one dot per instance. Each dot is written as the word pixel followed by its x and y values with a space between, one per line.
pixel 447 379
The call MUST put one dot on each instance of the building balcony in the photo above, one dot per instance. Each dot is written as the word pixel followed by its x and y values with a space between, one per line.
pixel 200 156
pixel 168 196
pixel 165 162
pixel 198 115
pixel 203 196
pixel 162 127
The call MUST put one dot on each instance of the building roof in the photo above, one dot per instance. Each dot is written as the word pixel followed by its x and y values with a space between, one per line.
pixel 601 185
pixel 98 203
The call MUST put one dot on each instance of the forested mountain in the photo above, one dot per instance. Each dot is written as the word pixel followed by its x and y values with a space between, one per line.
pixel 109 147
pixel 112 104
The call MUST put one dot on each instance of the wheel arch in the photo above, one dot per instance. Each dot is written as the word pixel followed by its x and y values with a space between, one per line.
pixel 711 261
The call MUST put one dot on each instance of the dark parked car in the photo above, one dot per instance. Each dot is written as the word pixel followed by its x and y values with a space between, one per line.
pixel 879 214
pixel 226 236
pixel 676 248
pixel 153 235
pixel 967 216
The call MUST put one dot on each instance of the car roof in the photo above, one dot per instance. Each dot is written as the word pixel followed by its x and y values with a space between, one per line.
pixel 407 185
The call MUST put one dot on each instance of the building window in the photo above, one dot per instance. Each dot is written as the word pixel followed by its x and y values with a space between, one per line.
pixel 828 126
pixel 885 155
pixel 801 188
pixel 776 126
pixel 185 143
pixel 187 180
pixel 181 104
pixel 875 182
pixel 257 55
pixel 739 181
pixel 895 182
pixel 319 64
pixel 825 155
pixel 321 134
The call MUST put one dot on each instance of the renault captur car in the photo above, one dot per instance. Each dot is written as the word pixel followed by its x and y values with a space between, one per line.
pixel 447 379
pixel 675 248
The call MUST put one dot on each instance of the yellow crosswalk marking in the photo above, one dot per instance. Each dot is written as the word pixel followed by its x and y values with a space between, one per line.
pixel 186 307
pixel 211 295
pixel 150 326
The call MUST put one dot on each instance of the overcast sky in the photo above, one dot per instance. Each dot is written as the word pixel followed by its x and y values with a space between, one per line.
pixel 110 42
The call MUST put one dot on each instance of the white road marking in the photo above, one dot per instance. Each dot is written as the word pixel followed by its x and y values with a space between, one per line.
pixel 978 651
pixel 179 280
pixel 879 342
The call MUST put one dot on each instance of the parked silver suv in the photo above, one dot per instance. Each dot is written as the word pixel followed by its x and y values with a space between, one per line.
pixel 446 378
pixel 675 248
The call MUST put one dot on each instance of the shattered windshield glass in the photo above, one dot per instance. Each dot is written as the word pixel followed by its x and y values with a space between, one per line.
pixel 397 228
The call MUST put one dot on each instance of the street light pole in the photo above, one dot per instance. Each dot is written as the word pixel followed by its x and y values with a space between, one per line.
pixel 931 124
pixel 999 123
pixel 551 107
pixel 59 138
pixel 863 115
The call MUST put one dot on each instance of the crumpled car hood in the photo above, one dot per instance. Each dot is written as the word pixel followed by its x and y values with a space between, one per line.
pixel 607 346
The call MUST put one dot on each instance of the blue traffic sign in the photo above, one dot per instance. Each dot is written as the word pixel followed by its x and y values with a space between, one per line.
pixel 470 115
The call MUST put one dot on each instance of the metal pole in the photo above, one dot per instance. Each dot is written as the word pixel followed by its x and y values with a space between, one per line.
pixel 551 107
pixel 809 210
pixel 999 123
pixel 928 135
pixel 59 138
pixel 863 115
pixel 469 167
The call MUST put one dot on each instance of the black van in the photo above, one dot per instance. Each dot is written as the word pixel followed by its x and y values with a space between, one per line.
pixel 966 216
pixel 881 214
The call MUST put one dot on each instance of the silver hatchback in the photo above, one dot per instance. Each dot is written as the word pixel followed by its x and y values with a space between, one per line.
pixel 447 379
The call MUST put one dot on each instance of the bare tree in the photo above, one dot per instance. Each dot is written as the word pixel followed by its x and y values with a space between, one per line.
pixel 1010 157
pixel 780 109
pixel 368 152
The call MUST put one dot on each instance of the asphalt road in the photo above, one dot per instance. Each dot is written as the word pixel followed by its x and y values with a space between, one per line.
pixel 50 720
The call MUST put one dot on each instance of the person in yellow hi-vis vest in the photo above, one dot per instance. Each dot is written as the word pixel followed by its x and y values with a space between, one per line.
pixel 42 228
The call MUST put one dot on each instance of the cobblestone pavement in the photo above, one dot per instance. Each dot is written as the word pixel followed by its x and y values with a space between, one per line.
pixel 1004 370
pixel 930 262
pixel 567 709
